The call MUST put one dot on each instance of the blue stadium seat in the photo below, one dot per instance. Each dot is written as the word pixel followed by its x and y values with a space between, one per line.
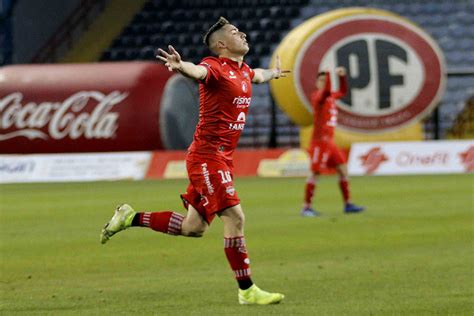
pixel 141 41
pixel 256 36
pixel 147 53
pixel 272 37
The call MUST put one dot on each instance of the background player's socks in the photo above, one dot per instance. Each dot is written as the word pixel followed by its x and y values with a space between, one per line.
pixel 236 253
pixel 165 222
pixel 344 186
pixel 308 194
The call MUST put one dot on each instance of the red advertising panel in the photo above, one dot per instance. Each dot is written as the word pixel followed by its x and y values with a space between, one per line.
pixel 81 107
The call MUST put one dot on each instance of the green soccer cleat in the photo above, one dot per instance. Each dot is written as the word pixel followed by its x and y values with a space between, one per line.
pixel 254 295
pixel 121 220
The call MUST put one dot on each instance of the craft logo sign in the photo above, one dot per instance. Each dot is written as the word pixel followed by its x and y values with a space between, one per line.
pixel 467 159
pixel 372 159
pixel 425 157
pixel 395 70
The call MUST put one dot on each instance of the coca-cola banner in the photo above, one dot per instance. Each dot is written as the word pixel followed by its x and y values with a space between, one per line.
pixel 429 157
pixel 81 107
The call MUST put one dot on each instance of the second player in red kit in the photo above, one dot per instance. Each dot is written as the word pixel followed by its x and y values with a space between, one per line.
pixel 322 150
pixel 225 92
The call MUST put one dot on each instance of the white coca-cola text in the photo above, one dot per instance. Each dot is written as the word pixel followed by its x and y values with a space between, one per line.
pixel 62 119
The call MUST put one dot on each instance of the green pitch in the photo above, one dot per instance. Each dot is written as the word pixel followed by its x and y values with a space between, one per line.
pixel 410 253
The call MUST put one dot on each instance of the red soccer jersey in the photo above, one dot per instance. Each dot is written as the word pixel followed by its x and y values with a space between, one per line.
pixel 325 109
pixel 224 98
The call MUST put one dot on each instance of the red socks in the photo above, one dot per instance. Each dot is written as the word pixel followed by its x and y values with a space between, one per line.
pixel 311 186
pixel 236 254
pixel 344 186
pixel 165 222
pixel 309 193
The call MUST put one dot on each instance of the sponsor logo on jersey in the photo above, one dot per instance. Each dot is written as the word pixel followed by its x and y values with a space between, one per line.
pixel 230 190
pixel 232 75
pixel 241 117
pixel 239 126
pixel 244 86
pixel 242 102
pixel 207 180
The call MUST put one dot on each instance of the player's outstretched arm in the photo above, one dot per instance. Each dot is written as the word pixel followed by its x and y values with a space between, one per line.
pixel 173 61
pixel 264 75
pixel 341 73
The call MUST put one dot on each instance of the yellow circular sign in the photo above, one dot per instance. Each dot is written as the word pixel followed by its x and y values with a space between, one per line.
pixel 387 59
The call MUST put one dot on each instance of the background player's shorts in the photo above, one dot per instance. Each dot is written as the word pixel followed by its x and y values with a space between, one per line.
pixel 325 154
pixel 211 187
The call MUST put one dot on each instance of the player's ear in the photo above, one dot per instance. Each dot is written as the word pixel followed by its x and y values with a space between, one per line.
pixel 220 44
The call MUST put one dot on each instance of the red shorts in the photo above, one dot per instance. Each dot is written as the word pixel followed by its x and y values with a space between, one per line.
pixel 211 188
pixel 325 154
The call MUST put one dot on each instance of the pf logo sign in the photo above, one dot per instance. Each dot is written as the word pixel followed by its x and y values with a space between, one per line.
pixel 395 71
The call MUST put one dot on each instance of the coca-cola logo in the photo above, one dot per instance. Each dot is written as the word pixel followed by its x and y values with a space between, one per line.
pixel 58 120
pixel 372 159
pixel 467 159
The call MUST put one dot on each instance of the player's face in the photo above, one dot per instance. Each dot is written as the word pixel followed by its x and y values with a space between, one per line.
pixel 235 40
pixel 321 82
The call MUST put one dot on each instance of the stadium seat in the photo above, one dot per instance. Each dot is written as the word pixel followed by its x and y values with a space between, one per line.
pixel 183 22
pixel 272 37
pixel 141 41
pixel 147 53
pixel 117 54
pixel 256 37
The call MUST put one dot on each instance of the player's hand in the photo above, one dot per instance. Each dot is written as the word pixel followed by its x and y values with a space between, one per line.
pixel 172 59
pixel 340 71
pixel 278 72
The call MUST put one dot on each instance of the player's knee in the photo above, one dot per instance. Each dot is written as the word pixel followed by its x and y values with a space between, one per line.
pixel 194 231
pixel 342 170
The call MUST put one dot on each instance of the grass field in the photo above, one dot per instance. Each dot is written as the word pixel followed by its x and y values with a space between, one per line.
pixel 410 253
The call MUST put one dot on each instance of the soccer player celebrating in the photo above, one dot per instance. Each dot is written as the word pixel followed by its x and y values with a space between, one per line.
pixel 225 90
pixel 323 151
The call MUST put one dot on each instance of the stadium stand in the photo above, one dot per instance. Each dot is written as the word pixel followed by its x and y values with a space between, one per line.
pixel 183 22
pixel 6 45
pixel 102 29
pixel 463 127
pixel 162 22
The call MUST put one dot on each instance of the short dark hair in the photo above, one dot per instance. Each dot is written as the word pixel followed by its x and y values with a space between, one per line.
pixel 217 26
pixel 321 73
